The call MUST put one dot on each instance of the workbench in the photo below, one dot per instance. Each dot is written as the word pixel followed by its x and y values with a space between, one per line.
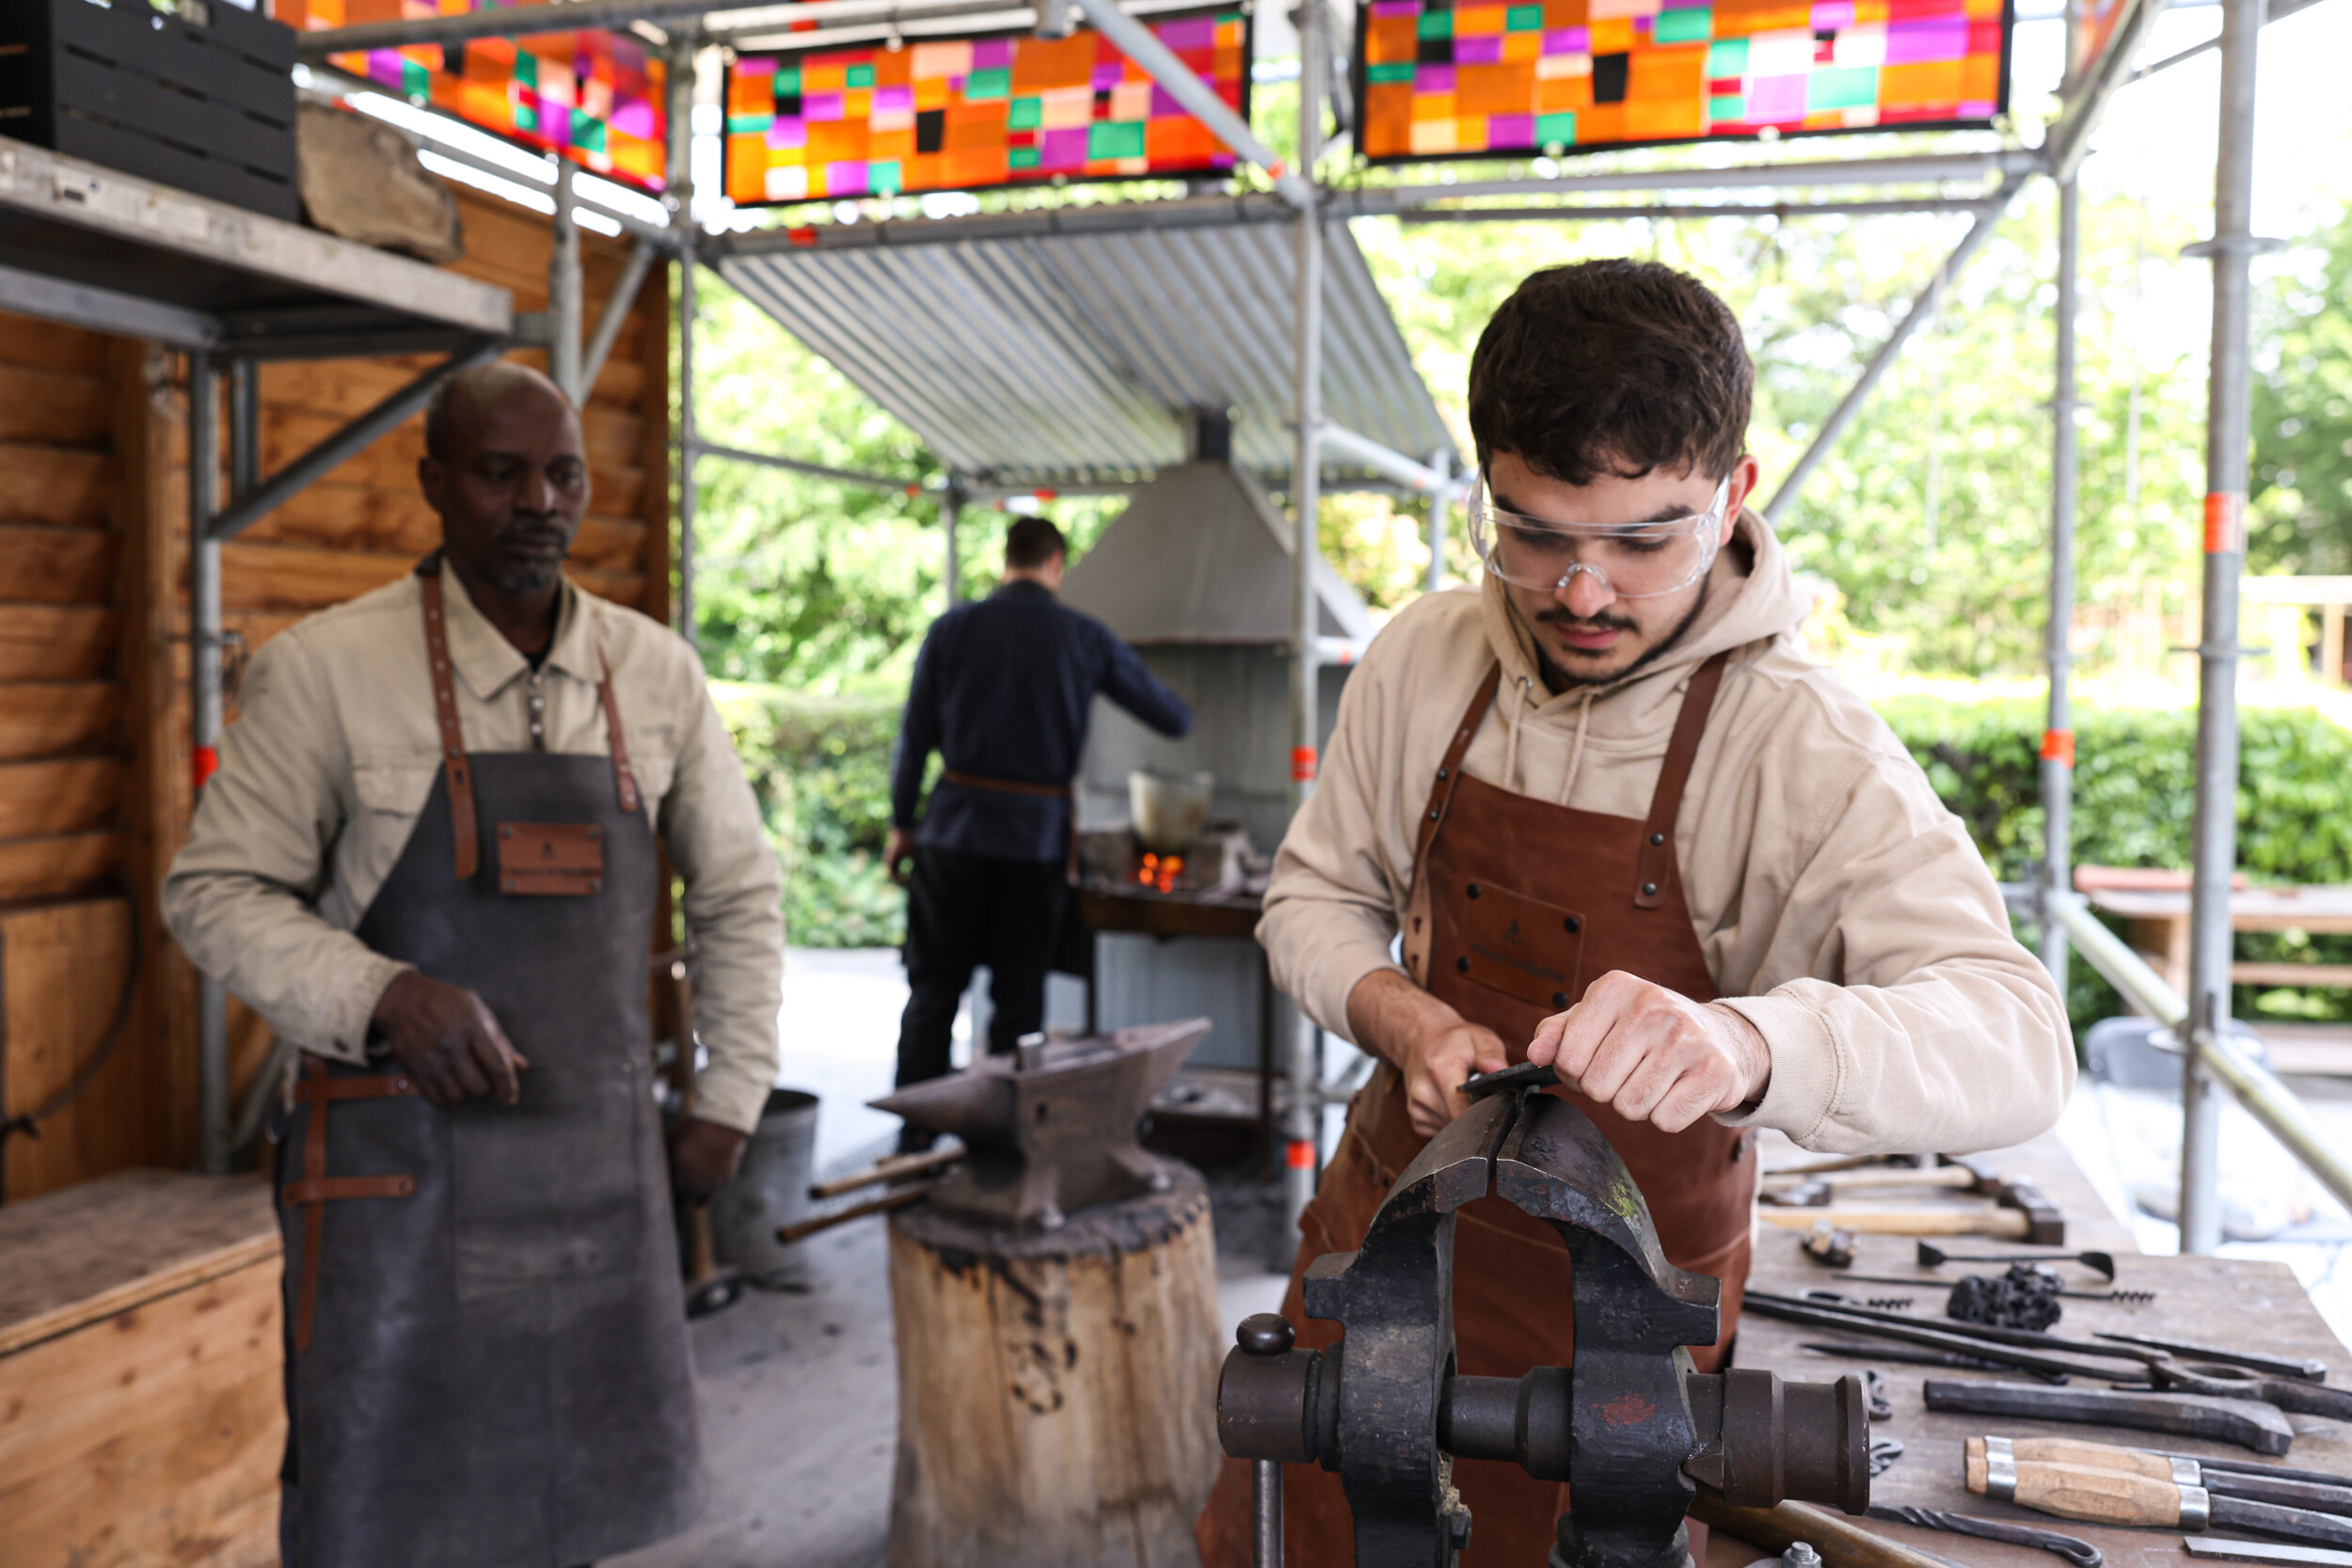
pixel 2227 1301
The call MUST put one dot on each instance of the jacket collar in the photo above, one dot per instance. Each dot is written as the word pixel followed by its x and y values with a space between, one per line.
pixel 489 663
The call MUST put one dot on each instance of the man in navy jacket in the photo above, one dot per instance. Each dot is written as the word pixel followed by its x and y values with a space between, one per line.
pixel 1002 689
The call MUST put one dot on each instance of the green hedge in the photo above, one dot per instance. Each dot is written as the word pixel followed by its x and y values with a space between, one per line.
pixel 2133 805
pixel 820 767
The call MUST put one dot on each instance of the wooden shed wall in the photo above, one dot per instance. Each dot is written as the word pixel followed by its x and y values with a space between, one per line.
pixel 94 669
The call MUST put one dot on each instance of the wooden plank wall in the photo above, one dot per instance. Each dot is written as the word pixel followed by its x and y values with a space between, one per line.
pixel 94 722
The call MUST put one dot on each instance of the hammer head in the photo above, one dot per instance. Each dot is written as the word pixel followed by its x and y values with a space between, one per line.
pixel 2044 1225
pixel 1815 1194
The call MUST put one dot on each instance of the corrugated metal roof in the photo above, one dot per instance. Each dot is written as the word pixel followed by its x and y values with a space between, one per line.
pixel 1037 358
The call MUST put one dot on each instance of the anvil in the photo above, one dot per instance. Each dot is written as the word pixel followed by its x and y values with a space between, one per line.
pixel 1051 1128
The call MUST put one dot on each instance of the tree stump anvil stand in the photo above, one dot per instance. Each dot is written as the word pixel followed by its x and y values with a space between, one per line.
pixel 1057 1389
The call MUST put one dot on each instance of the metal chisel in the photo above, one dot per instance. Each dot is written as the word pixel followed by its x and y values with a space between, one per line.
pixel 2244 1422
pixel 2180 1469
pixel 2222 1549
pixel 2112 1498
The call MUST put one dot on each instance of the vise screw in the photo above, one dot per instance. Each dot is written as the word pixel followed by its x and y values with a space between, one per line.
pixel 1631 1426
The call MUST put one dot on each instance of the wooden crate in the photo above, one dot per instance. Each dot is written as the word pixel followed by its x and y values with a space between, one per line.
pixel 142 1413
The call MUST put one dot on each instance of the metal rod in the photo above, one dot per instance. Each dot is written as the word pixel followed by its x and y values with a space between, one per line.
pixel 1140 44
pixel 681 192
pixel 2083 101
pixel 951 547
pixel 701 448
pixel 1305 1113
pixel 1433 525
pixel 1922 307
pixel 320 460
pixel 1338 444
pixel 616 313
pixel 1789 176
pixel 2278 13
pixel 2058 738
pixel 245 426
pixel 1605 213
pixel 564 288
pixel 205 701
pixel 522 21
pixel 2214 843
pixel 2268 1101
pixel 1265 1513
pixel 254 1107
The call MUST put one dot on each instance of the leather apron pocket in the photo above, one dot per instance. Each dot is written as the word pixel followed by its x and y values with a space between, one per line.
pixel 547 1191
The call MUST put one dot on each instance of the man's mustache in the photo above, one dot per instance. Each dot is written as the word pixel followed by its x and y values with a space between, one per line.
pixel 1603 621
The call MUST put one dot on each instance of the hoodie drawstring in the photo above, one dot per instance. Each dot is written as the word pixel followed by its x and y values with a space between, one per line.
pixel 1576 749
pixel 1511 729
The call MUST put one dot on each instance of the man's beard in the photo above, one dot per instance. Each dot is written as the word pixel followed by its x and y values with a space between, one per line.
pixel 526 576
pixel 1559 679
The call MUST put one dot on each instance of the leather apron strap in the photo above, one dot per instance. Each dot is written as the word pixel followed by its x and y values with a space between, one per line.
pixel 316 1189
pixel 1674 774
pixel 461 798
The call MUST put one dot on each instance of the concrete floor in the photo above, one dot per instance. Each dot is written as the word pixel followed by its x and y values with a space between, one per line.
pixel 799 1391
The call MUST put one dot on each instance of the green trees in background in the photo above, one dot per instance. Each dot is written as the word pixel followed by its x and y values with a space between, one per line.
pixel 1926 525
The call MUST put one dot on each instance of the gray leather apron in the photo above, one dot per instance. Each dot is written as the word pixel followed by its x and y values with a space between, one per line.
pixel 487 1337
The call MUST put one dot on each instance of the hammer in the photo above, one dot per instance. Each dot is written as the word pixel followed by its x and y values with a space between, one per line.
pixel 2021 1211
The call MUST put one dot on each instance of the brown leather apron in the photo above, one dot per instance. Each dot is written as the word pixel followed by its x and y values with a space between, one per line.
pixel 1517 905
pixel 488 1365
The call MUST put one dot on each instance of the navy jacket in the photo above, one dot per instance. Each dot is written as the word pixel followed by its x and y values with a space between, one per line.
pixel 1002 689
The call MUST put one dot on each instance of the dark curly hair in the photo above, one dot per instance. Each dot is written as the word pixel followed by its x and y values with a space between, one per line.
pixel 1612 367
pixel 1032 542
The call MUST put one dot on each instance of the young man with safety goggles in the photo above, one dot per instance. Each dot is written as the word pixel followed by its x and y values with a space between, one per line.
pixel 1600 812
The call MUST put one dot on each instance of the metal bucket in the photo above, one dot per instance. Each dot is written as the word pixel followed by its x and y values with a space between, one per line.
pixel 1169 809
pixel 771 1189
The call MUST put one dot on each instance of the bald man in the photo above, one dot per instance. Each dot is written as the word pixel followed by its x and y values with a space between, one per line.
pixel 431 859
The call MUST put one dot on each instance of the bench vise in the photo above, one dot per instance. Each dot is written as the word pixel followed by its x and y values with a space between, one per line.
pixel 1633 1427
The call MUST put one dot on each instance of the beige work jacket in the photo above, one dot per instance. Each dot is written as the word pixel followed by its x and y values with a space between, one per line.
pixel 335 750
pixel 1841 908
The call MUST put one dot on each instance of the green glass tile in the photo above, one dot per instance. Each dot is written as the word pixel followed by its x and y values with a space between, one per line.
pixel 1027 114
pixel 1731 107
pixel 415 80
pixel 1524 19
pixel 744 125
pixel 1395 71
pixel 1559 129
pixel 1727 57
pixel 788 83
pixel 1692 25
pixel 587 131
pixel 525 118
pixel 858 76
pixel 885 178
pixel 1435 24
pixel 1853 87
pixel 1115 139
pixel 982 86
pixel 527 67
pixel 1021 157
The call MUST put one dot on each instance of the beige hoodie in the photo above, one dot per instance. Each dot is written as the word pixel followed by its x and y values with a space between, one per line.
pixel 1841 908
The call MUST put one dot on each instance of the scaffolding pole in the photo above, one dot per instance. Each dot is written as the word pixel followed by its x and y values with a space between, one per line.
pixel 951 565
pixel 2057 735
pixel 563 290
pixel 2214 848
pixel 1302 1122
pixel 681 190
pixel 204 617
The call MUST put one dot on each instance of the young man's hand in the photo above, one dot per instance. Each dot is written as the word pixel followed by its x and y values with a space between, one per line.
pixel 1433 1046
pixel 1653 1056
pixel 448 1040
pixel 896 852
pixel 702 1156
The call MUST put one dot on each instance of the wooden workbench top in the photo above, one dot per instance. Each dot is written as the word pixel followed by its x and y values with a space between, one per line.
pixel 2224 1302
pixel 71 1256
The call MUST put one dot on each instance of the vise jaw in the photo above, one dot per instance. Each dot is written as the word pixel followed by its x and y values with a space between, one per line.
pixel 1634 1428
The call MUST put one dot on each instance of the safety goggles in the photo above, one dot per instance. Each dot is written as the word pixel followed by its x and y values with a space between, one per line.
pixel 1633 561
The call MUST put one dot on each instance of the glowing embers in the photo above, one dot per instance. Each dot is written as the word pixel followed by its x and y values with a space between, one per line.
pixel 1159 872
pixel 961 114
pixel 1441 80
pixel 594 97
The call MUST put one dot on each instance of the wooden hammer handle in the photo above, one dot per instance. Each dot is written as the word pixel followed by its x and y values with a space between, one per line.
pixel 2091 1456
pixel 2079 1491
pixel 1953 1221
pixel 1840 1544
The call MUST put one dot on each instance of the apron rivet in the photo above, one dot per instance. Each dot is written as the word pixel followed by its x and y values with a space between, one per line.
pixel 1433 813
pixel 1559 999
pixel 1441 772
pixel 1471 890
pixel 1649 890
pixel 595 884
pixel 1461 966
pixel 1572 925
pixel 1657 839
pixel 505 831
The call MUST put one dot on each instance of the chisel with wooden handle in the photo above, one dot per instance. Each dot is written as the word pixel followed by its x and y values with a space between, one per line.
pixel 2113 1497
pixel 2181 1470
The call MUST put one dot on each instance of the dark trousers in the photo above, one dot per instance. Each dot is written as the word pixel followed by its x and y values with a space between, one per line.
pixel 963 910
